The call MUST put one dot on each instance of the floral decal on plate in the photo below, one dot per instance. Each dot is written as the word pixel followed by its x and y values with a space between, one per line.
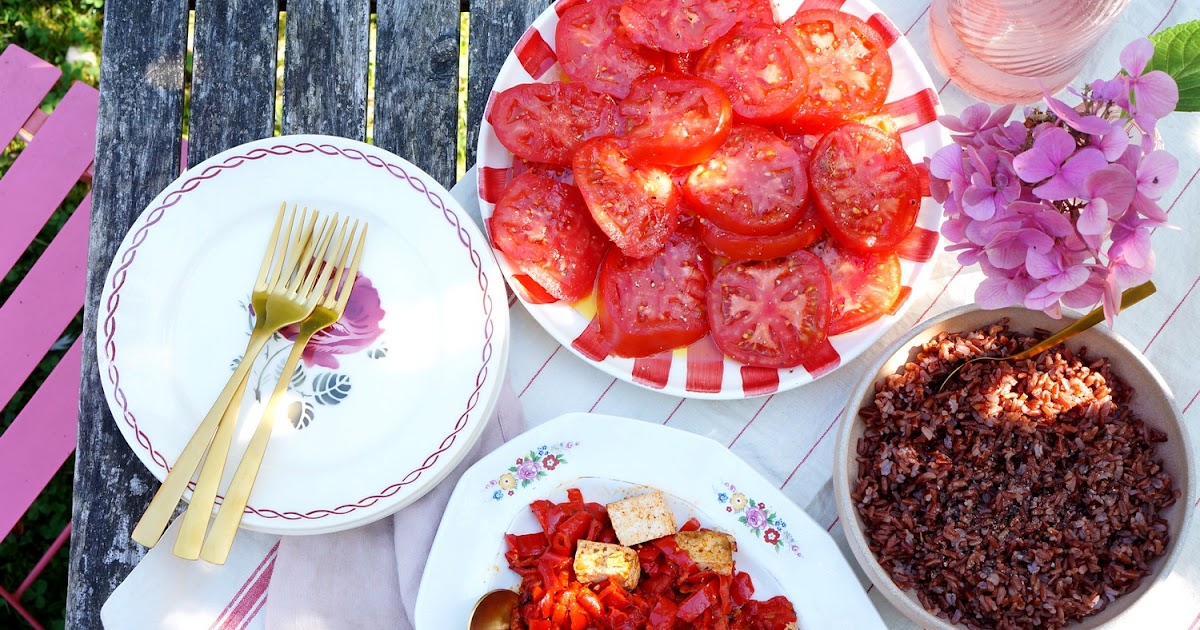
pixel 760 519
pixel 318 379
pixel 529 468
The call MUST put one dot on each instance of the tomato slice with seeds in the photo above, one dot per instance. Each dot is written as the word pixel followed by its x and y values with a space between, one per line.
pixel 741 247
pixel 675 120
pixel 593 49
pixel 760 68
pixel 543 227
pixel 770 313
pixel 849 68
pixel 678 26
pixel 755 184
pixel 648 305
pixel 546 122
pixel 634 204
pixel 867 190
pixel 557 172
pixel 865 286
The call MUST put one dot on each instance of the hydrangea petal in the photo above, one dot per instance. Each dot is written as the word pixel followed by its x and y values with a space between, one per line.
pixel 1136 55
pixel 1093 218
pixel 1050 149
pixel 1042 298
pixel 1043 265
pixel 1076 120
pixel 1070 279
pixel 947 162
pixel 1114 184
pixel 1156 94
pixel 992 293
pixel 1156 173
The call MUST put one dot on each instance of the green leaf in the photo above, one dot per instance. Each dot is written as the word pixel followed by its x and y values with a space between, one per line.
pixel 1177 52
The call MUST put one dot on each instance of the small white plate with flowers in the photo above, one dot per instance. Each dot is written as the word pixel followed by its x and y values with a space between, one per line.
pixel 609 458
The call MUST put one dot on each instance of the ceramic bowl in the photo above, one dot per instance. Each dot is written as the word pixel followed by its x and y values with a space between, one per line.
pixel 1153 403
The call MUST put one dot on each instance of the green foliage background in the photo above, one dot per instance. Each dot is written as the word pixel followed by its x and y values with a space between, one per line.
pixel 48 29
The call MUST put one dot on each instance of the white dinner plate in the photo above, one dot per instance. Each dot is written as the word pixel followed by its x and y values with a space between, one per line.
pixel 384 404
pixel 700 371
pixel 608 458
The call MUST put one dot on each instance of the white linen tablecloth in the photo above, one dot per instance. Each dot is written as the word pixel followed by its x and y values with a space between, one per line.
pixel 788 437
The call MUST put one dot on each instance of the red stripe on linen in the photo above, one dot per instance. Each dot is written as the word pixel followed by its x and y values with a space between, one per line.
pixel 809 5
pixel 918 20
pixel 602 395
pixel 539 371
pixel 672 414
pixel 590 343
pixel 531 291
pixel 653 371
pixel 835 522
pixel 885 28
pixel 254 612
pixel 237 597
pixel 912 111
pixel 705 366
pixel 563 5
pixel 749 422
pixel 251 603
pixel 757 381
pixel 919 245
pixel 1192 401
pixel 905 293
pixel 1172 313
pixel 534 53
pixel 823 360
pixel 492 182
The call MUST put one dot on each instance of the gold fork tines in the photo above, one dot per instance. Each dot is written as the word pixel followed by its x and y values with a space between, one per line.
pixel 332 292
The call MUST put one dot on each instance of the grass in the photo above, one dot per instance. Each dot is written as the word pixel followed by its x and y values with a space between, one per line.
pixel 67 34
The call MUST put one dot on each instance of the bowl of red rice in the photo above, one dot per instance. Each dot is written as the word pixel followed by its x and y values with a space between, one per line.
pixel 1052 492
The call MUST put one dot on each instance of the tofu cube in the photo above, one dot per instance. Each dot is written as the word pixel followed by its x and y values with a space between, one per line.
pixel 641 518
pixel 792 626
pixel 596 562
pixel 712 551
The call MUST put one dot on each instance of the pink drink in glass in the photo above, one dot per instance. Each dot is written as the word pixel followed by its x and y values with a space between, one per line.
pixel 1005 51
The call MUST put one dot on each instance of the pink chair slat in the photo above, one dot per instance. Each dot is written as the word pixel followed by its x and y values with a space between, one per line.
pixel 46 170
pixel 24 81
pixel 37 443
pixel 44 303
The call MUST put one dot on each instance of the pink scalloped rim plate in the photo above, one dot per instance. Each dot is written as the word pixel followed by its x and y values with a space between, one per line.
pixel 384 404
pixel 609 458
pixel 700 371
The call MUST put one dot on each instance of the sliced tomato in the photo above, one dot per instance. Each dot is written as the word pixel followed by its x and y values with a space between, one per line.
pixel 865 286
pixel 849 68
pixel 741 247
pixel 761 70
pixel 546 122
pixel 681 63
pixel 557 172
pixel 803 143
pixel 593 49
pixel 648 305
pixel 865 187
pixel 678 26
pixel 770 313
pixel 675 120
pixel 754 184
pixel 634 204
pixel 544 228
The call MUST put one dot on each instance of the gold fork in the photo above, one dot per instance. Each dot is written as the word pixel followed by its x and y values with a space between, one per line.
pixel 284 303
pixel 328 310
pixel 279 266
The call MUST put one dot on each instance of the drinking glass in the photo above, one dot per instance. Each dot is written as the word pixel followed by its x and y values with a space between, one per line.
pixel 1006 51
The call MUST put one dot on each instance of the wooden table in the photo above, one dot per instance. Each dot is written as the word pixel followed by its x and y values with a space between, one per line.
pixel 232 86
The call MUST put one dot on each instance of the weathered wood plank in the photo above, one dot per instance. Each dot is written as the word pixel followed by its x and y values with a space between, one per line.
pixel 137 155
pixel 233 75
pixel 416 83
pixel 325 67
pixel 496 25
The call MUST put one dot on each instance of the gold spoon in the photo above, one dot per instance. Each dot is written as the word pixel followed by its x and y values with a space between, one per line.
pixel 494 611
pixel 1130 297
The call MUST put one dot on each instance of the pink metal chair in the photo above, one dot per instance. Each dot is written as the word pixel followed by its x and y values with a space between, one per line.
pixel 59 154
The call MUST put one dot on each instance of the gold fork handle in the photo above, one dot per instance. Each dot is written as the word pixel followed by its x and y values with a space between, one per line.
pixel 162 507
pixel 229 517
pixel 1131 296
pixel 195 519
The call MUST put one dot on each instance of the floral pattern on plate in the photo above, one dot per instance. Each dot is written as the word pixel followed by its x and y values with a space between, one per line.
pixel 762 521
pixel 528 468
pixel 317 379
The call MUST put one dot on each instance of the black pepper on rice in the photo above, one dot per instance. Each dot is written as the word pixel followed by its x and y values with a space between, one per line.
pixel 1024 495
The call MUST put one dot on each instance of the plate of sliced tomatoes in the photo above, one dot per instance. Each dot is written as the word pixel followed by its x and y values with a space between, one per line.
pixel 716 199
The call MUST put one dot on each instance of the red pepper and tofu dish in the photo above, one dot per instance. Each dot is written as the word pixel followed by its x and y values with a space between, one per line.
pixel 626 566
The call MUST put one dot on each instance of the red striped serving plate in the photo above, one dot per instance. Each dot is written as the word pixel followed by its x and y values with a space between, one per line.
pixel 700 371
